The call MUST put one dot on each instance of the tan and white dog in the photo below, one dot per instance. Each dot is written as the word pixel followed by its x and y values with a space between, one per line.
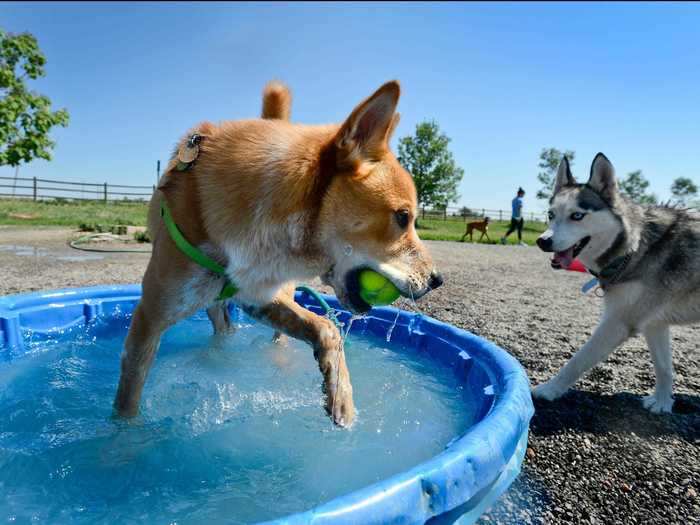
pixel 275 202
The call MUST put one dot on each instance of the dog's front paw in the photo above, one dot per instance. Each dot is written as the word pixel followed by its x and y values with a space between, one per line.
pixel 339 403
pixel 548 391
pixel 658 404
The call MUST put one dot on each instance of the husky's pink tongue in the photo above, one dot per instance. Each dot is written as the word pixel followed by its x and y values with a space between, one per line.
pixel 564 258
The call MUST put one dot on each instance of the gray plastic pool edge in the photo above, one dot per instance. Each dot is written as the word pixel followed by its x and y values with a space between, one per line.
pixel 455 486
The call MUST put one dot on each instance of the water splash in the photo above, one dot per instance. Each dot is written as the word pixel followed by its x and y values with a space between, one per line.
pixel 414 322
pixel 393 325
pixel 352 319
pixel 218 419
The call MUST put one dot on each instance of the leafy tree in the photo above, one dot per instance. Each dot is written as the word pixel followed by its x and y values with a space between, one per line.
pixel 549 162
pixel 464 211
pixel 427 158
pixel 634 186
pixel 684 189
pixel 25 117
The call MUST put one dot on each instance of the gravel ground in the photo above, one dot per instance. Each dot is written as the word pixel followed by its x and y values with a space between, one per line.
pixel 595 456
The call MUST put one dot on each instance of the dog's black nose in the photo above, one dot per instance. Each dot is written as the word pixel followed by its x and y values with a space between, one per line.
pixel 545 244
pixel 435 281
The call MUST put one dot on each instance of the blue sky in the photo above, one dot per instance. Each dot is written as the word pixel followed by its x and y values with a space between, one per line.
pixel 502 80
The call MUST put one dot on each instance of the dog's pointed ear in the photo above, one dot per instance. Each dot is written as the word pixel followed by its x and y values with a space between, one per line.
pixel 394 124
pixel 366 132
pixel 564 176
pixel 602 178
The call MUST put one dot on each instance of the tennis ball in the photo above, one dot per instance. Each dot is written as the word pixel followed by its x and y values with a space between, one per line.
pixel 377 290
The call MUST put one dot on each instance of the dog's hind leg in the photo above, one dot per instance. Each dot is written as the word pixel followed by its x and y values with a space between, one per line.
pixel 139 350
pixel 166 299
pixel 284 314
pixel 609 334
pixel 658 339
pixel 221 318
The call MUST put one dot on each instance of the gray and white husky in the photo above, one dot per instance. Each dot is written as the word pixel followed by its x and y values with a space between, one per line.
pixel 647 261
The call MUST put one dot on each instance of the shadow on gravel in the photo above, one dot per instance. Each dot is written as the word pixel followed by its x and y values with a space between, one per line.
pixel 618 413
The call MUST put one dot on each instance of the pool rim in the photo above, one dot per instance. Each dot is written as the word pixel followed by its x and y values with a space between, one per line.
pixel 437 486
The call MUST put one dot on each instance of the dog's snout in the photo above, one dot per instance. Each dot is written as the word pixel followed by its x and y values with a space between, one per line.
pixel 545 244
pixel 435 281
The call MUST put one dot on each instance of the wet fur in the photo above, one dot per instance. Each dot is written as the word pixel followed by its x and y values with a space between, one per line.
pixel 276 202
pixel 659 287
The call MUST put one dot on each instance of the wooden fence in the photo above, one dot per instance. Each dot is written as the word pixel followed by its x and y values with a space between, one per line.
pixel 470 214
pixel 45 189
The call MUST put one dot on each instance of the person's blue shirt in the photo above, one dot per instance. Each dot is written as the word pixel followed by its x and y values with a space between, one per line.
pixel 517 208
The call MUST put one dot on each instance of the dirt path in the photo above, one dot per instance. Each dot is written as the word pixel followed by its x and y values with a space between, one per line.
pixel 595 456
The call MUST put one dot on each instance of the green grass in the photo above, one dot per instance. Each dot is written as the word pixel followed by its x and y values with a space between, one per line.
pixel 453 229
pixel 75 213
pixel 71 213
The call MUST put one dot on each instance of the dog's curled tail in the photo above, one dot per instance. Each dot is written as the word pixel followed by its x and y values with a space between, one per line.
pixel 277 101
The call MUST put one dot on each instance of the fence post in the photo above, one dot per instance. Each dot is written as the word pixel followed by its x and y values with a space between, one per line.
pixel 34 182
pixel 105 194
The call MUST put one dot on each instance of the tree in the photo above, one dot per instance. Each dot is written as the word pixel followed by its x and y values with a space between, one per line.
pixel 634 186
pixel 25 116
pixel 684 189
pixel 464 211
pixel 549 163
pixel 427 158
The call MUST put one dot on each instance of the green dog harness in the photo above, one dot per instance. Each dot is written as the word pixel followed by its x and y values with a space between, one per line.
pixel 186 156
pixel 229 289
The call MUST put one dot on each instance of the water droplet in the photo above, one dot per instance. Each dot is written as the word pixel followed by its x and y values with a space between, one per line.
pixel 393 325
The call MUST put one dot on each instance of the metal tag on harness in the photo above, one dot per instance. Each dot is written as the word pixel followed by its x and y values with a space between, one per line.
pixel 188 151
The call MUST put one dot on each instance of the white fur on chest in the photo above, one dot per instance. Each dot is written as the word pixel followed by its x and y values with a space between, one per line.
pixel 268 257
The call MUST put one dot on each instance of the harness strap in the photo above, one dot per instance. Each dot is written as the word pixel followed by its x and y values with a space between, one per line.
pixel 229 289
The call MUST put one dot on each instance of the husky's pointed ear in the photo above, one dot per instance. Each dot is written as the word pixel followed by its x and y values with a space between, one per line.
pixel 365 134
pixel 602 178
pixel 564 176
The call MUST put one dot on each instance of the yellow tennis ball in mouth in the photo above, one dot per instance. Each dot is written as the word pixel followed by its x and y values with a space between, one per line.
pixel 377 290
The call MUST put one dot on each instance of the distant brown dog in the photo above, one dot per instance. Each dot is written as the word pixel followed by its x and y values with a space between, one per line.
pixel 274 203
pixel 480 226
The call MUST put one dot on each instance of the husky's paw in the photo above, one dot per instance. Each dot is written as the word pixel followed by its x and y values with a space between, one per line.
pixel 548 391
pixel 658 404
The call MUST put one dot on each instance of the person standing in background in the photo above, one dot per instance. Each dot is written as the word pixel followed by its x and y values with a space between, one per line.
pixel 516 219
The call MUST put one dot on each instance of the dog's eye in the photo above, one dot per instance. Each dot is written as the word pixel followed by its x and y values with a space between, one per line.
pixel 577 216
pixel 550 215
pixel 402 218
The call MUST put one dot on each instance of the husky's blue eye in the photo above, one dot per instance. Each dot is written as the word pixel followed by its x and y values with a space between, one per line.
pixel 577 216
pixel 550 214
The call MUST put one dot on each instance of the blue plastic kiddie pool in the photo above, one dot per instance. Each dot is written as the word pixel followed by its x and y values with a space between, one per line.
pixel 182 459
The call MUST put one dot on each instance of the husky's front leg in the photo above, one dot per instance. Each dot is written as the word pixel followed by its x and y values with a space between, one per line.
pixel 659 341
pixel 609 334
pixel 285 315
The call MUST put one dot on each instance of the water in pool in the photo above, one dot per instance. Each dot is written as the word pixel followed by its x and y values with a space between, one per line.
pixel 232 428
